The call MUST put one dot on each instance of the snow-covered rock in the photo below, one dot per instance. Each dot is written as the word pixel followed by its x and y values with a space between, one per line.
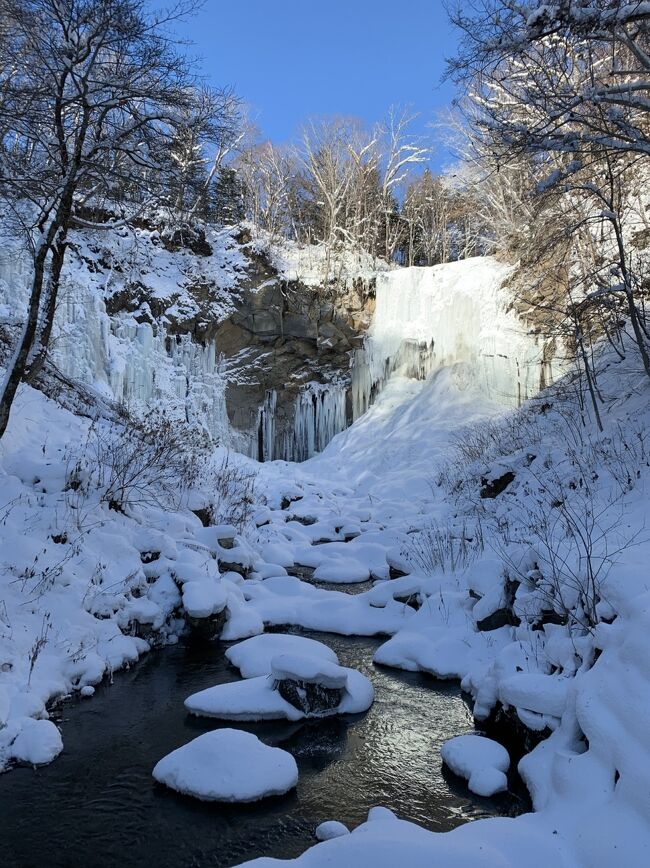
pixel 481 761
pixel 266 697
pixel 331 829
pixel 37 743
pixel 228 765
pixel 202 599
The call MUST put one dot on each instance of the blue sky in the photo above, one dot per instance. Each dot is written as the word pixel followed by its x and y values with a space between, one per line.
pixel 291 59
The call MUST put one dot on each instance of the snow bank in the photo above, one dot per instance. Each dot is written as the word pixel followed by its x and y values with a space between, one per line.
pixel 88 589
pixel 37 743
pixel 384 842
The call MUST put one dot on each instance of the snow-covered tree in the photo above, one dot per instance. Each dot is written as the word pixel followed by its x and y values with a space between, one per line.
pixel 559 76
pixel 91 93
pixel 205 133
pixel 563 89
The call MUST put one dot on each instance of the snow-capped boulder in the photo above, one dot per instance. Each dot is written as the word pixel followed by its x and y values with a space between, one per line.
pixel 342 571
pixel 205 604
pixel 308 670
pixel 37 743
pixel 253 657
pixel 225 534
pixel 228 765
pixel 311 685
pixel 481 761
pixel 322 690
pixel 202 599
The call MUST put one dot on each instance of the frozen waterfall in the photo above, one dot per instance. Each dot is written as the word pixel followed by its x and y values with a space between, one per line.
pixel 319 414
pixel 428 318
pixel 425 319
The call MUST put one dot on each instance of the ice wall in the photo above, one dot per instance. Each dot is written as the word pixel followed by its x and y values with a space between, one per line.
pixel 141 364
pixel 133 362
pixel 428 318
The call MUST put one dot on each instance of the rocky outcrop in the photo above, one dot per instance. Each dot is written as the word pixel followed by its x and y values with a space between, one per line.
pixel 216 326
pixel 282 336
pixel 311 699
pixel 493 487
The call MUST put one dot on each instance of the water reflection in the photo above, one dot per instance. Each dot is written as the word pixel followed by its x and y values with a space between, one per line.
pixel 99 798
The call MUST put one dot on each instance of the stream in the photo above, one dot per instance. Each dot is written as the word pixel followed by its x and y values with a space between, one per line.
pixel 99 798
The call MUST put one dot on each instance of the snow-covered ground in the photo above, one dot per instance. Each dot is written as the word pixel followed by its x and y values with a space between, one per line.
pixel 518 538
pixel 536 598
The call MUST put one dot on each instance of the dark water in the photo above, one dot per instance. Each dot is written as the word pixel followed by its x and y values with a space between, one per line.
pixel 97 806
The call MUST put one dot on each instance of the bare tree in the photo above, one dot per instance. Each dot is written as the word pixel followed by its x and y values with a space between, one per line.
pixel 326 158
pixel 266 171
pixel 585 69
pixel 91 92
pixel 403 151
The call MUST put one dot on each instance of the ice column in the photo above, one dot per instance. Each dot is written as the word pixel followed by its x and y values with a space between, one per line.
pixel 320 414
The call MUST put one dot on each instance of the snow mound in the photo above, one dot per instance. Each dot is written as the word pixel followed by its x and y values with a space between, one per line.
pixel 481 761
pixel 331 829
pixel 228 765
pixel 253 657
pixel 309 671
pixel 37 743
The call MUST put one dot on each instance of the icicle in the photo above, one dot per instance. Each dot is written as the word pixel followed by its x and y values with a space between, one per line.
pixel 266 445
pixel 319 415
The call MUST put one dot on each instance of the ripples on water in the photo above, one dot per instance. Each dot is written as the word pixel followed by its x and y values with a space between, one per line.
pixel 97 806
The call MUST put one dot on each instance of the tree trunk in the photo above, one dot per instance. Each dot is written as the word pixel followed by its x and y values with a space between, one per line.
pixel 37 357
pixel 638 333
pixel 17 365
pixel 589 375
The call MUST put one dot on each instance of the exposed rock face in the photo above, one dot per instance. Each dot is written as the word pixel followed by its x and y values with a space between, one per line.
pixel 218 309
pixel 494 487
pixel 504 615
pixel 282 336
pixel 207 629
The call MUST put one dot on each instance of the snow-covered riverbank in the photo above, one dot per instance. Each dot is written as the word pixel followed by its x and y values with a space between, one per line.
pixel 535 597
pixel 506 548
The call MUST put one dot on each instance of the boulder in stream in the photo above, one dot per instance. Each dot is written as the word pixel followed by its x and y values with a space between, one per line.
pixel 228 765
